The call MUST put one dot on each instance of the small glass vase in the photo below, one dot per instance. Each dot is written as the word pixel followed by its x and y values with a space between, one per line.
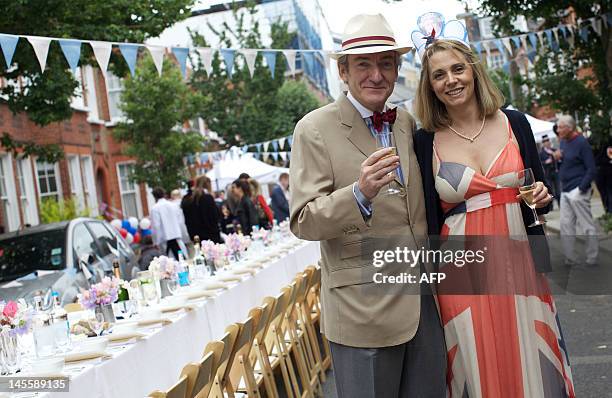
pixel 107 311
pixel 163 284
pixel 10 354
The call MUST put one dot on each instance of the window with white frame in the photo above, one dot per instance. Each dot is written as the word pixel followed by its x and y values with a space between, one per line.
pixel 8 197
pixel 4 199
pixel 89 185
pixel 27 198
pixel 114 85
pixel 76 184
pixel 78 101
pixel 130 195
pixel 495 61
pixel 48 180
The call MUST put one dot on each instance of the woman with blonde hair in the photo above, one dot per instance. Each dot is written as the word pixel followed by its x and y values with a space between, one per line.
pixel 201 212
pixel 472 156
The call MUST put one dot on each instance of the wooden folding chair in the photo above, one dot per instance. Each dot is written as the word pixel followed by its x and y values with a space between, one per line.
pixel 240 369
pixel 179 390
pixel 216 349
pixel 219 385
pixel 259 354
pixel 274 342
pixel 313 301
pixel 300 329
pixel 198 374
pixel 305 314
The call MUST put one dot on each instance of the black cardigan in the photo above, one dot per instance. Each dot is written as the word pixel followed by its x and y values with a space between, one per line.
pixel 423 146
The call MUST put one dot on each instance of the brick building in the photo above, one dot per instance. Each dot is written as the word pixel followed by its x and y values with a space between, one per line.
pixel 93 170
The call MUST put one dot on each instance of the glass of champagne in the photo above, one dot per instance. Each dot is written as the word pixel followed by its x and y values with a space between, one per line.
pixel 526 189
pixel 386 140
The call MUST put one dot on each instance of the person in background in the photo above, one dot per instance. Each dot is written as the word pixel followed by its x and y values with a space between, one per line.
pixel 245 210
pixel 175 199
pixel 220 198
pixel 280 198
pixel 244 176
pixel 551 169
pixel 577 172
pixel 175 196
pixel 603 160
pixel 264 214
pixel 148 252
pixel 201 212
pixel 227 221
pixel 166 221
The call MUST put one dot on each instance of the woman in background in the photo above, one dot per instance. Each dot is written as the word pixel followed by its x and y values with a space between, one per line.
pixel 245 210
pixel 201 212
pixel 264 213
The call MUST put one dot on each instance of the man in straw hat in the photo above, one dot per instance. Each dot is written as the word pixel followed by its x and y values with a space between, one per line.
pixel 386 338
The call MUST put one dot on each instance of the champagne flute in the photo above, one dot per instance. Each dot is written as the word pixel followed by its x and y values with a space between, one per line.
pixel 386 140
pixel 526 189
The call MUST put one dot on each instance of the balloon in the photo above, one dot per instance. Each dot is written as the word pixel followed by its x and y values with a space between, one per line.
pixel 123 232
pixel 131 230
pixel 145 223
pixel 133 222
pixel 129 238
pixel 125 224
pixel 137 237
pixel 116 223
pixel 145 232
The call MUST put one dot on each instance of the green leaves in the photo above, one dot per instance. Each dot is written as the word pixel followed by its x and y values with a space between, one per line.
pixel 156 109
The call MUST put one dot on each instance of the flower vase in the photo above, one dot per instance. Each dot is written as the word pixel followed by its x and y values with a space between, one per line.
pixel 163 284
pixel 107 312
pixel 10 354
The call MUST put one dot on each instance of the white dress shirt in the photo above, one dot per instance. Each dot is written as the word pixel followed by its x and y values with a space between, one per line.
pixel 166 220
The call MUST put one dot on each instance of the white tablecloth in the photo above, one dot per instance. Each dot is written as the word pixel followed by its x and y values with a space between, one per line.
pixel 156 361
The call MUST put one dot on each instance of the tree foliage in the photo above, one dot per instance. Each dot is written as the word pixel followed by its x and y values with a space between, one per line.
pixel 245 109
pixel 561 78
pixel 46 97
pixel 156 109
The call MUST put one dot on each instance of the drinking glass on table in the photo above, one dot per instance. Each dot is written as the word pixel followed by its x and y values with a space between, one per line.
pixel 172 284
pixel 97 323
pixel 526 189
pixel 386 140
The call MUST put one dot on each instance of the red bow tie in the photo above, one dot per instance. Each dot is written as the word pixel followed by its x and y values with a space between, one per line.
pixel 378 118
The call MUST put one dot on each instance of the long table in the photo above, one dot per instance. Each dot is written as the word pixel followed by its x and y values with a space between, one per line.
pixel 155 362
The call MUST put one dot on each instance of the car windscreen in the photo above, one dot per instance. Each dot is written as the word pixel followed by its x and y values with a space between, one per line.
pixel 21 255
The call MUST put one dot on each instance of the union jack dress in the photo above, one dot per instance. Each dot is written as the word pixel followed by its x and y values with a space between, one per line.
pixel 499 345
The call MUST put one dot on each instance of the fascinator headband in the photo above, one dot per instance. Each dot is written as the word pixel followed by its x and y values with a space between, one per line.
pixel 433 27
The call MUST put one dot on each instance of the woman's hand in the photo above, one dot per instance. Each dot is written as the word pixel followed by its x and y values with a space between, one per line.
pixel 541 197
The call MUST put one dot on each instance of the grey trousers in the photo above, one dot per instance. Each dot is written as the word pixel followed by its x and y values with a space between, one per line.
pixel 416 369
pixel 576 219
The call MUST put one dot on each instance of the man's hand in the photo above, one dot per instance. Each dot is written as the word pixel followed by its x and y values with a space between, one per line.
pixel 376 172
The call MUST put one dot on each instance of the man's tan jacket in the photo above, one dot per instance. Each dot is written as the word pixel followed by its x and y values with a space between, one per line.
pixel 329 146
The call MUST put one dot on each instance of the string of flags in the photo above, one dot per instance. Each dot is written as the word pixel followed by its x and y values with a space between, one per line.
pixel 102 50
pixel 532 41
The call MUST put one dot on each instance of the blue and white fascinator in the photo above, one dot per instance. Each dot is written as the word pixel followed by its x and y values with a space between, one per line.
pixel 432 27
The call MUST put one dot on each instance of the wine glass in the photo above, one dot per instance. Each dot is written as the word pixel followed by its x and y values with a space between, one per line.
pixel 172 285
pixel 526 189
pixel 97 323
pixel 386 140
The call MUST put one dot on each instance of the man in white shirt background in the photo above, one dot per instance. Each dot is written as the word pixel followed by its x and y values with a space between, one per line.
pixel 166 221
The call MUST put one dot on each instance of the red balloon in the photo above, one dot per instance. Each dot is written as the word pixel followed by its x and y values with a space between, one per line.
pixel 123 232
pixel 136 238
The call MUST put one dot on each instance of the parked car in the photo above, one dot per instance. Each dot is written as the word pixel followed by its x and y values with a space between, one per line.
pixel 62 257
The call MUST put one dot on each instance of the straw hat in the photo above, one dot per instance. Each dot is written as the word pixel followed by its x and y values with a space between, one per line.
pixel 368 34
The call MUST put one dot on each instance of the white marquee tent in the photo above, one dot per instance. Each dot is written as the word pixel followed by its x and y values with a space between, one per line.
pixel 539 127
pixel 225 171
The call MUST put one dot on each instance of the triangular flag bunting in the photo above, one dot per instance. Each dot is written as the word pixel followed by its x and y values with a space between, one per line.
pixel 290 140
pixel 533 40
pixel 517 42
pixel 41 48
pixel 228 55
pixel 524 42
pixel 500 47
pixel 290 57
pixel 541 39
pixel 270 57
pixel 250 56
pixel 130 54
pixel 206 55
pixel 549 36
pixel 181 54
pixel 275 145
pixel 8 44
pixel 506 42
pixel 157 53
pixel 266 145
pixel 258 145
pixel 281 143
pixel 72 52
pixel 283 155
pixel 102 51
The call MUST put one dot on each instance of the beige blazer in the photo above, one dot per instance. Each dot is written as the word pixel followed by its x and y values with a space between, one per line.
pixel 329 145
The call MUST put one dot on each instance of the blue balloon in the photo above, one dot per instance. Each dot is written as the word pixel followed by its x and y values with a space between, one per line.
pixel 131 230
pixel 145 232
pixel 125 224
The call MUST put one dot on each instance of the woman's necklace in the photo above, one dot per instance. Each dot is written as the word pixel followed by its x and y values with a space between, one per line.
pixel 465 137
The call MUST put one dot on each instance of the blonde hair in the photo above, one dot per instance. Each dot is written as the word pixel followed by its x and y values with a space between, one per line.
pixel 255 188
pixel 430 110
